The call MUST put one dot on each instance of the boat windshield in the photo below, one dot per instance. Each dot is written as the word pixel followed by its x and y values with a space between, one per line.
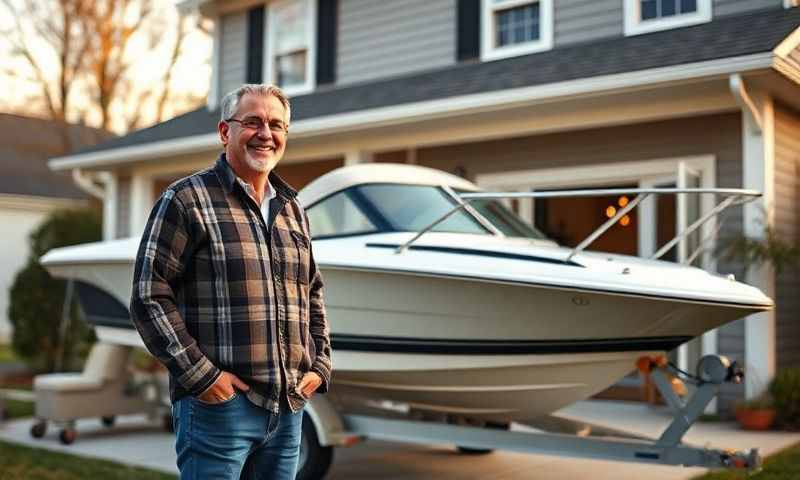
pixel 393 207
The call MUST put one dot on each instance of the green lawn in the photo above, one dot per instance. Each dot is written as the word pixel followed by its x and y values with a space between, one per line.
pixel 23 463
pixel 781 466
pixel 18 409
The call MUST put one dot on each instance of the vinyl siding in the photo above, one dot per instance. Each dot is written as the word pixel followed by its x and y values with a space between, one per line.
pixel 123 207
pixel 730 7
pixel 233 51
pixel 584 20
pixel 387 39
pixel 631 143
pixel 787 226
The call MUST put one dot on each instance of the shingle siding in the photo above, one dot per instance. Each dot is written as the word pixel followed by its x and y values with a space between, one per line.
pixel 584 20
pixel 386 39
pixel 787 226
pixel 731 7
pixel 233 51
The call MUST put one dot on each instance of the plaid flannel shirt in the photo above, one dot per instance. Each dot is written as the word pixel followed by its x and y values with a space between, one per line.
pixel 215 289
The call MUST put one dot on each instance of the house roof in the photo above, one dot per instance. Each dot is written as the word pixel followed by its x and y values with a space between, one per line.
pixel 726 37
pixel 27 143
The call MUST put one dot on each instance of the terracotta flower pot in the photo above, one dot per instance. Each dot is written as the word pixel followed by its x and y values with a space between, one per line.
pixel 755 419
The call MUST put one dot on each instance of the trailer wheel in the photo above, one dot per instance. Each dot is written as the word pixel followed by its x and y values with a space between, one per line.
pixel 314 459
pixel 473 451
pixel 108 421
pixel 67 436
pixel 38 429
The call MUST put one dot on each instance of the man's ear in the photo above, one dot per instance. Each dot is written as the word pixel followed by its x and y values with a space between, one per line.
pixel 224 131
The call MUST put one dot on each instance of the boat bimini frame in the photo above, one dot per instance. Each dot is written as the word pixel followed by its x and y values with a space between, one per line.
pixel 731 197
pixel 556 435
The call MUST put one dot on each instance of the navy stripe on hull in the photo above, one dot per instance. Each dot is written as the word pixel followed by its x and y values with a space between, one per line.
pixel 360 343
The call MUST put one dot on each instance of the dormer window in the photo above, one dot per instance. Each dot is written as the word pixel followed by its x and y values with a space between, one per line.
pixel 291 45
pixel 516 27
pixel 644 16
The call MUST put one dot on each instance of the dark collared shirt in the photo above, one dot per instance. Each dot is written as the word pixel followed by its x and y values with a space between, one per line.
pixel 215 288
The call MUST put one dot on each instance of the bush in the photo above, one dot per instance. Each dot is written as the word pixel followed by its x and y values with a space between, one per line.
pixel 785 391
pixel 37 299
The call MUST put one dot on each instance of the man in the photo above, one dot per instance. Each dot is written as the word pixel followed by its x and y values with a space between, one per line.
pixel 227 295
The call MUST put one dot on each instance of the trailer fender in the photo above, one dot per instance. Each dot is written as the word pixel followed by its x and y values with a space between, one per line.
pixel 327 421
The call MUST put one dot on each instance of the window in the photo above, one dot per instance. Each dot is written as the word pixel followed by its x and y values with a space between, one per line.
pixel 291 45
pixel 338 215
pixel 643 16
pixel 516 27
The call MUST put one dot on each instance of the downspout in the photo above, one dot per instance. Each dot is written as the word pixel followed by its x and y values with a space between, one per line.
pixel 87 184
pixel 745 102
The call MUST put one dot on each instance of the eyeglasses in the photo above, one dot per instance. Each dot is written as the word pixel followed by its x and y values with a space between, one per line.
pixel 255 123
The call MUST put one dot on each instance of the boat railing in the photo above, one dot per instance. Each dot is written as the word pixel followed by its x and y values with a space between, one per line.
pixel 729 197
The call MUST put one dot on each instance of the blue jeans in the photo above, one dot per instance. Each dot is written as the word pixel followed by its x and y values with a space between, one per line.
pixel 235 439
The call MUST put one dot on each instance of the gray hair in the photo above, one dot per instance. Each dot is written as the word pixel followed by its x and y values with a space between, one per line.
pixel 230 102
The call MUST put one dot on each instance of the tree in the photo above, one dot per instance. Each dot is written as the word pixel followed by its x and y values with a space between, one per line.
pixel 37 299
pixel 83 55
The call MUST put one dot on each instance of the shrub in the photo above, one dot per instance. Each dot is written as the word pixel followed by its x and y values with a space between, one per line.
pixel 785 391
pixel 37 299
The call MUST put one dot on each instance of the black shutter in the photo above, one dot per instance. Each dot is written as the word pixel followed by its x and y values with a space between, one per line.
pixel 255 44
pixel 327 24
pixel 468 33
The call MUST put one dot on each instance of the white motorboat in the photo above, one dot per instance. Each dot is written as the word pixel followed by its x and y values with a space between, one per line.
pixel 443 301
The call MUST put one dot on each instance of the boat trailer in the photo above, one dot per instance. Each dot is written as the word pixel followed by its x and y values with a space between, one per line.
pixel 586 440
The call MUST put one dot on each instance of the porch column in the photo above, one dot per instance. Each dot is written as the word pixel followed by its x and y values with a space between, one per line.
pixel 110 208
pixel 758 159
pixel 354 157
pixel 141 203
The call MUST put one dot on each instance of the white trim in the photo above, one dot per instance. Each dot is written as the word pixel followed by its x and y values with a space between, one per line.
pixel 140 203
pixel 758 172
pixel 213 91
pixel 634 25
pixel 489 51
pixel 355 157
pixel 311 42
pixel 791 3
pixel 37 203
pixel 441 108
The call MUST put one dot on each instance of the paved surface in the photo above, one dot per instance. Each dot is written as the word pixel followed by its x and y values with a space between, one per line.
pixel 136 441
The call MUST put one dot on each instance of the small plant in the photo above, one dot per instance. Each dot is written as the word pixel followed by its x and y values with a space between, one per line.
pixel 772 250
pixel 785 391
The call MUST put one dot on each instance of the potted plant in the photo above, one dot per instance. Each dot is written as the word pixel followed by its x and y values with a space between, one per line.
pixel 756 414
pixel 785 392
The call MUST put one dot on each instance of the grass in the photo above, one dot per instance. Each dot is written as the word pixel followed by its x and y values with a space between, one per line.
pixel 7 354
pixel 18 409
pixel 18 462
pixel 784 465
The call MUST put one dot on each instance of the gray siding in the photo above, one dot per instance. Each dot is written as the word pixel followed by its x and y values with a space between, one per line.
pixel 233 51
pixel 386 39
pixel 584 20
pixel 123 207
pixel 787 226
pixel 728 7
pixel 663 139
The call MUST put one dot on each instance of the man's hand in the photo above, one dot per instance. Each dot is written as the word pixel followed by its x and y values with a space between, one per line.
pixel 308 385
pixel 223 388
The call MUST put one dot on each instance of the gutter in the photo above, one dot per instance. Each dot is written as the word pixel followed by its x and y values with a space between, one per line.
pixel 88 184
pixel 745 102
pixel 436 109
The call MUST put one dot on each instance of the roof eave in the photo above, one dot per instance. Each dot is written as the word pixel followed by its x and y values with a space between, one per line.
pixel 440 108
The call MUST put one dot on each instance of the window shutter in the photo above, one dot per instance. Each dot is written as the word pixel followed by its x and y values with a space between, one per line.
pixel 468 33
pixel 327 24
pixel 255 44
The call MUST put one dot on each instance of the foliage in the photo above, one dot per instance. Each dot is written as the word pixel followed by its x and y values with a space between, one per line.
pixel 784 465
pixel 36 464
pixel 785 390
pixel 761 402
pixel 771 249
pixel 37 299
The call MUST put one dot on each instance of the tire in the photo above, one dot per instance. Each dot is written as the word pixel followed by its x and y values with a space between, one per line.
pixel 108 421
pixel 315 460
pixel 67 436
pixel 473 451
pixel 38 429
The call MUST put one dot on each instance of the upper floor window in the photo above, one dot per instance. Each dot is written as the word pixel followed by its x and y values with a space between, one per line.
pixel 291 45
pixel 515 27
pixel 643 16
